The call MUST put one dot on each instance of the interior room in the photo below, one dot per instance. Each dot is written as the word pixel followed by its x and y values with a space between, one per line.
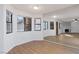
pixel 39 28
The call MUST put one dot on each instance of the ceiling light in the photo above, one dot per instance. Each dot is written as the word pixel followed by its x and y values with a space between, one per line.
pixel 36 7
pixel 55 16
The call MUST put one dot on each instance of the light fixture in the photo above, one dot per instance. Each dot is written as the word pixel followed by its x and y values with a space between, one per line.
pixel 55 16
pixel 75 20
pixel 35 7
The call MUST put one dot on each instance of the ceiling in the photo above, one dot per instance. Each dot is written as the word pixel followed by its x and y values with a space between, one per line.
pixel 43 8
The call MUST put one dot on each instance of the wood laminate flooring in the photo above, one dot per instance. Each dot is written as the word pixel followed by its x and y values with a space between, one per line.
pixel 42 47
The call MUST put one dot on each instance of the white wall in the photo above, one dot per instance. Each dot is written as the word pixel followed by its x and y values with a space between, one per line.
pixel 70 12
pixel 49 32
pixel 16 38
pixel 9 39
pixel 1 28
pixel 65 25
pixel 75 27
pixel 65 15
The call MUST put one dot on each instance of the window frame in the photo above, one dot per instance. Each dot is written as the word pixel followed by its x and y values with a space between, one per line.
pixel 37 24
pixel 9 17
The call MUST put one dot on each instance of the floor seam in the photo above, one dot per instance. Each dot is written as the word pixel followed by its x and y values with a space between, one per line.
pixel 62 44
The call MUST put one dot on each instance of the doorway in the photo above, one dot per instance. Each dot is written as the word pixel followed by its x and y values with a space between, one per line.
pixel 56 28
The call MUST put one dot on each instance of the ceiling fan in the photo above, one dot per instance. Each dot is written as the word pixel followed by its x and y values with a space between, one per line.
pixel 75 20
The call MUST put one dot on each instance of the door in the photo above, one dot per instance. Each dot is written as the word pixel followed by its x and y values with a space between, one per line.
pixel 56 28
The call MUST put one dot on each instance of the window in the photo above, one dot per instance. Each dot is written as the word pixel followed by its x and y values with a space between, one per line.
pixel 45 25
pixel 51 25
pixel 23 23
pixel 37 24
pixel 20 23
pixel 27 24
pixel 8 22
